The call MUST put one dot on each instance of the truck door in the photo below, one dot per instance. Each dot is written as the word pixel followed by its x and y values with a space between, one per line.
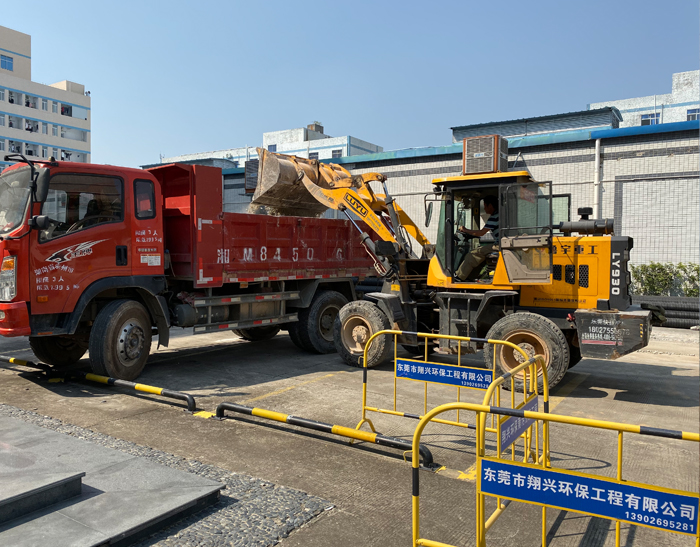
pixel 526 231
pixel 87 239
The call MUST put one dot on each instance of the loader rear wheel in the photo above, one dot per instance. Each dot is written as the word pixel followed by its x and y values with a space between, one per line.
pixel 574 348
pixel 257 334
pixel 59 351
pixel 315 325
pixel 536 335
pixel 356 323
pixel 120 340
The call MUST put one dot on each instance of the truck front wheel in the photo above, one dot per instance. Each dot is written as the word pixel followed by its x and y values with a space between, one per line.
pixel 536 335
pixel 59 351
pixel 356 323
pixel 120 340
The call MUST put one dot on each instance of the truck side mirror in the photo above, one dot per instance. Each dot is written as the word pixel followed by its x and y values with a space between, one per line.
pixel 39 222
pixel 428 213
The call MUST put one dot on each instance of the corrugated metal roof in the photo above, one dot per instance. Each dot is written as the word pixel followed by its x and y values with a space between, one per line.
pixel 611 109
pixel 521 142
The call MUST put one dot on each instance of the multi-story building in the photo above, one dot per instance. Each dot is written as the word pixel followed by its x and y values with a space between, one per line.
pixel 681 105
pixel 306 142
pixel 36 119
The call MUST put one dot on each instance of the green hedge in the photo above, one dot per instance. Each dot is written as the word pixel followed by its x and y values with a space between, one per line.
pixel 666 279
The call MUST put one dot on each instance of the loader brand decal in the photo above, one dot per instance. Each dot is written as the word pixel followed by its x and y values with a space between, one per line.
pixel 356 206
pixel 74 251
pixel 615 273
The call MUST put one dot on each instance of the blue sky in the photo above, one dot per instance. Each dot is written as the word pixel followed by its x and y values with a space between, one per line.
pixel 178 77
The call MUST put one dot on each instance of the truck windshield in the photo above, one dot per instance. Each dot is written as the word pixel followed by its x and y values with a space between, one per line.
pixel 14 196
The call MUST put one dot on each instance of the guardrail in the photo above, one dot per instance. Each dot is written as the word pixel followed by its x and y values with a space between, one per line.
pixel 615 499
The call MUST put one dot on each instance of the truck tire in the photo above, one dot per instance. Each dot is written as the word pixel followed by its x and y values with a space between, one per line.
pixel 257 334
pixel 356 322
pixel 293 329
pixel 58 351
pixel 120 340
pixel 536 335
pixel 315 325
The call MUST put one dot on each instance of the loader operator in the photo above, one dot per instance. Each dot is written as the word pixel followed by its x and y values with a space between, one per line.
pixel 478 255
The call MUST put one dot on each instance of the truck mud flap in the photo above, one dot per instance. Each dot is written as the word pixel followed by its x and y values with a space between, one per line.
pixel 612 334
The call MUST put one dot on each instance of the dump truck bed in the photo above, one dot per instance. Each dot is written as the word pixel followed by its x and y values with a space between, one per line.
pixel 211 247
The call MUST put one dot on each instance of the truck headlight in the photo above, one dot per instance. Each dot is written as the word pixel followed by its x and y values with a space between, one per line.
pixel 8 278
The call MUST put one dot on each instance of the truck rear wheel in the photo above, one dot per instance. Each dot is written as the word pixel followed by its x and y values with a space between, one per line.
pixel 257 334
pixel 356 323
pixel 120 340
pixel 315 325
pixel 59 351
pixel 536 335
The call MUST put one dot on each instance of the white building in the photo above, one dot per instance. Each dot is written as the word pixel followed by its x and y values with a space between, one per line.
pixel 36 119
pixel 681 105
pixel 306 142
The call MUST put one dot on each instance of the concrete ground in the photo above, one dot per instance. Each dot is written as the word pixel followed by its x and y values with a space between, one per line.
pixel 371 486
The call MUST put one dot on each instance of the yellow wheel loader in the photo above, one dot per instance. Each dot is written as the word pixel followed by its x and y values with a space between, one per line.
pixel 552 286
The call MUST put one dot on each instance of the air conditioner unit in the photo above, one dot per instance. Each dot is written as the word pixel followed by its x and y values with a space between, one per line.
pixel 485 154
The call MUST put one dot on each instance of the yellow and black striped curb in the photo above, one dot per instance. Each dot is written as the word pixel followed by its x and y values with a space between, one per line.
pixel 340 430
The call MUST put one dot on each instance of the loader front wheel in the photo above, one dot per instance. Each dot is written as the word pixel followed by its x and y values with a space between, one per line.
pixel 536 335
pixel 356 323
pixel 120 340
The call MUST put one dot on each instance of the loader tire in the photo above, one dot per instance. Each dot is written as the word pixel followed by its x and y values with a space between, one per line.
pixel 536 335
pixel 257 334
pixel 356 323
pixel 120 340
pixel 315 325
pixel 59 351
pixel 574 348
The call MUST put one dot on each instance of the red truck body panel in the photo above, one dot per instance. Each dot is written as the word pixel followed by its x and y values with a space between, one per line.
pixel 212 248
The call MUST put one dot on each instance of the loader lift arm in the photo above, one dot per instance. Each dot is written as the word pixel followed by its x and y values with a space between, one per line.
pixel 293 185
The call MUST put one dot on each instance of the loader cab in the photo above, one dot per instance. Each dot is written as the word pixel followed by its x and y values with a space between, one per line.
pixel 517 251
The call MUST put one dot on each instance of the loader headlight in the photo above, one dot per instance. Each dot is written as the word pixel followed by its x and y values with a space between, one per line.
pixel 8 278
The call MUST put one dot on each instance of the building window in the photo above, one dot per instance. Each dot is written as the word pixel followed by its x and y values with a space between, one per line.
pixel 45 128
pixel 651 119
pixel 45 104
pixel 55 153
pixel 2 120
pixel 54 107
pixel 272 148
pixel 337 154
pixel 313 155
pixel 2 94
pixel 44 152
pixel 693 114
pixel 54 131
pixel 6 62
pixel 2 144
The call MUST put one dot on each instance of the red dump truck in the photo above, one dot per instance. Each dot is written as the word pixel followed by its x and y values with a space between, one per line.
pixel 102 258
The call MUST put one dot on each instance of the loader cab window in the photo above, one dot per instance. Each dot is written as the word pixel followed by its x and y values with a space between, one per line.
pixel 80 202
pixel 144 199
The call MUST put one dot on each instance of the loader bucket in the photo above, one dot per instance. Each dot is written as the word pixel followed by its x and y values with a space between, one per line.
pixel 281 189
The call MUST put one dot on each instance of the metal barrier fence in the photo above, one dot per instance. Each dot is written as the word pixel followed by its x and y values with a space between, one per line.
pixel 455 375
pixel 538 483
